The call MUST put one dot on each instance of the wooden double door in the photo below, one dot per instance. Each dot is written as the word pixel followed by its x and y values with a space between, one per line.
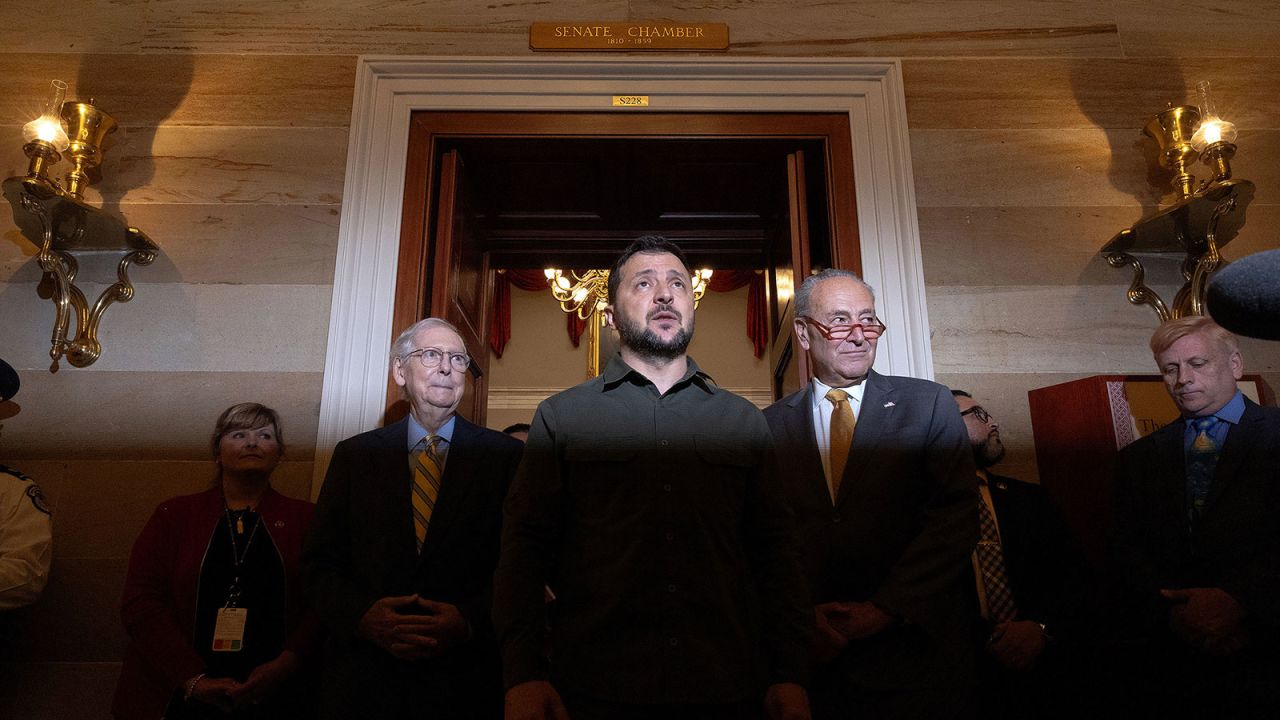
pixel 486 191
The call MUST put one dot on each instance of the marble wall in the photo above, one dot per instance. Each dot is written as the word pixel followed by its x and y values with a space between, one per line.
pixel 1024 126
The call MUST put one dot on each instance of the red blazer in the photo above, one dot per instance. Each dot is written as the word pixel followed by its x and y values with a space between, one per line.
pixel 159 603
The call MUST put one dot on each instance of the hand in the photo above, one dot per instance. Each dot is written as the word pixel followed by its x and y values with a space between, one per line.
pixel 828 643
pixel 534 700
pixel 445 623
pixel 214 691
pixel 1017 644
pixel 394 625
pixel 1205 617
pixel 856 620
pixel 786 701
pixel 264 680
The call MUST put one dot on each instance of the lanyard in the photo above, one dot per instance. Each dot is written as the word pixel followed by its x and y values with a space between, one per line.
pixel 237 557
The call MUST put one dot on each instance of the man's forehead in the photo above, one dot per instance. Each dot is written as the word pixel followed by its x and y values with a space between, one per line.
pixel 844 295
pixel 652 263
pixel 964 402
pixel 439 337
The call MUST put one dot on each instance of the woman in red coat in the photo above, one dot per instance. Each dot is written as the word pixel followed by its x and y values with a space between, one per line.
pixel 213 602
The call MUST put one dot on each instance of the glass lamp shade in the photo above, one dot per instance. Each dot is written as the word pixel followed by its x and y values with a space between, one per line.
pixel 48 127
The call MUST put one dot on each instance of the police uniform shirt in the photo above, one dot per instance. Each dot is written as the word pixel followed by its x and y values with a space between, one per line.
pixel 26 539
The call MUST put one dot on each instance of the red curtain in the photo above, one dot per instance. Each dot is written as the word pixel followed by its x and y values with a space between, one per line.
pixel 534 280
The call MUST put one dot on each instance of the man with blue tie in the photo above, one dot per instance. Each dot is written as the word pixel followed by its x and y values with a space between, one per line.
pixel 403 546
pixel 1197 536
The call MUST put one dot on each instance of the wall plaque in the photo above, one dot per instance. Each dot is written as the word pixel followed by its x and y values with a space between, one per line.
pixel 654 35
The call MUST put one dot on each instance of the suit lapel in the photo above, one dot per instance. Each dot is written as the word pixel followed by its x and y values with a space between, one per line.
pixel 391 472
pixel 1240 440
pixel 1172 457
pixel 877 407
pixel 455 485
pixel 802 442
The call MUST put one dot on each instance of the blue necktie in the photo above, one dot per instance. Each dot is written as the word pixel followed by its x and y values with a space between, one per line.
pixel 1202 460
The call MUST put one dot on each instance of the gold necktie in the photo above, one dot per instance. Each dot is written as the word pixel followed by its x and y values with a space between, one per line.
pixel 841 436
pixel 428 468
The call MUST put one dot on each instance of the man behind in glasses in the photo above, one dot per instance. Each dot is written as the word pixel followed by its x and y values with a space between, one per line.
pixel 881 479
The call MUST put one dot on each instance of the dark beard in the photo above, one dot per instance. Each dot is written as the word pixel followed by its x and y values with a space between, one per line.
pixel 987 454
pixel 646 343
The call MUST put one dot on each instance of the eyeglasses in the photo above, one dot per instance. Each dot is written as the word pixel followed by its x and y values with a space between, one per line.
pixel 978 412
pixel 431 357
pixel 871 329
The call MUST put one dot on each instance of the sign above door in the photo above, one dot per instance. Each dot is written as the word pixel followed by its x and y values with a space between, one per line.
pixel 628 36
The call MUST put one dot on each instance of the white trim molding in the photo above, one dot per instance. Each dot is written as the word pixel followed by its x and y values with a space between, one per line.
pixel 389 89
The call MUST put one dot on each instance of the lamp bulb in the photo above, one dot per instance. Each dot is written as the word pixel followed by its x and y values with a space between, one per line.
pixel 48 127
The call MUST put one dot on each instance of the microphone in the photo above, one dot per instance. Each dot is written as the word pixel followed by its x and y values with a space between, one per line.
pixel 1244 297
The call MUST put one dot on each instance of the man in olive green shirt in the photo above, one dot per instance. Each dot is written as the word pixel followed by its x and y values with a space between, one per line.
pixel 647 501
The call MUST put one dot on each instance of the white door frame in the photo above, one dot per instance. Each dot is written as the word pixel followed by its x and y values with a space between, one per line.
pixel 389 89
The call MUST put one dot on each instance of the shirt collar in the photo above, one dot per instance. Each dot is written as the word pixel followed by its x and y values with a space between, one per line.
pixel 855 391
pixel 618 370
pixel 1232 411
pixel 417 432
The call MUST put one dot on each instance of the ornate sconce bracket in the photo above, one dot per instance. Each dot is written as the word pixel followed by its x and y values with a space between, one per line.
pixel 63 226
pixel 1195 228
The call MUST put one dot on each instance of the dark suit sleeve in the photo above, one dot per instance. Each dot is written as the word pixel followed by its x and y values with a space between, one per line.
pixel 773 547
pixel 1131 565
pixel 532 523
pixel 940 552
pixel 326 553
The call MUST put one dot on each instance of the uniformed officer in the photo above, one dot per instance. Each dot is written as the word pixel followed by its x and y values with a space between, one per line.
pixel 26 523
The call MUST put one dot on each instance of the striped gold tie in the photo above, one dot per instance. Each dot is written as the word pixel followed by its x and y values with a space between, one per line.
pixel 427 463
pixel 841 436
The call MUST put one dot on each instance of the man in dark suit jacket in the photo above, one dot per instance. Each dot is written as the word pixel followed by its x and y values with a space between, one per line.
pixel 403 547
pixel 1028 588
pixel 887 516
pixel 1197 537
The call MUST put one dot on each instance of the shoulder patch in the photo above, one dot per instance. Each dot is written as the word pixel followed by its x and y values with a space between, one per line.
pixel 38 500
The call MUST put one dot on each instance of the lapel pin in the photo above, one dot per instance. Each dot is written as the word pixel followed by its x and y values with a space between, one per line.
pixel 889 404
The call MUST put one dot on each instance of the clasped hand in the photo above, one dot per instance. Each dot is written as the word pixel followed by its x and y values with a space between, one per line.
pixel 1207 618
pixel 227 694
pixel 412 627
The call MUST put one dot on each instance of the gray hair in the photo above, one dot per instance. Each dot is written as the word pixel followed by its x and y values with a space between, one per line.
pixel 404 341
pixel 805 292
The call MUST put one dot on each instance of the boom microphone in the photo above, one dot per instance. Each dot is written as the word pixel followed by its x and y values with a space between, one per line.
pixel 1244 297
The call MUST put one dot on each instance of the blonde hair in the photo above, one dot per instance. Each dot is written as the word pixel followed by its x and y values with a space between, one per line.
pixel 245 416
pixel 1171 331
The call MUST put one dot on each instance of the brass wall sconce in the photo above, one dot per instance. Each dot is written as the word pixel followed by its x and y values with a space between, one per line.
pixel 1201 220
pixel 56 219
pixel 586 296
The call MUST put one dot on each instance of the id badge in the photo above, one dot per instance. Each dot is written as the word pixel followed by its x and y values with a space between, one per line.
pixel 228 632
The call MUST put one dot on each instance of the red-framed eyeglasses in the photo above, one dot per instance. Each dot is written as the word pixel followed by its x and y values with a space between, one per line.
pixel 870 330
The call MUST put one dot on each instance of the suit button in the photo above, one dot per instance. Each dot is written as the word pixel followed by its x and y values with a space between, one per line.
pixel 835 518
pixel 667 487
pixel 673 642
pixel 671 588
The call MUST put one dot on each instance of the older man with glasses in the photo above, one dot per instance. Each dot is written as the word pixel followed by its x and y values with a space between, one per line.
pixel 879 474
pixel 403 548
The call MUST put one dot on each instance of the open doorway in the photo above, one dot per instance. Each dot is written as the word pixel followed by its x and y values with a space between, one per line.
pixel 759 192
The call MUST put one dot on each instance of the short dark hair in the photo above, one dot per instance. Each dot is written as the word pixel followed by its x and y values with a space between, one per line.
pixel 518 427
pixel 643 244
pixel 961 393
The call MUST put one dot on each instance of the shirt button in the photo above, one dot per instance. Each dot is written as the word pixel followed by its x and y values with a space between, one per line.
pixel 671 588
pixel 664 443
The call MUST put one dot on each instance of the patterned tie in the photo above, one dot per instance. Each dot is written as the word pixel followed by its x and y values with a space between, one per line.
pixel 427 462
pixel 841 436
pixel 995 578
pixel 1202 460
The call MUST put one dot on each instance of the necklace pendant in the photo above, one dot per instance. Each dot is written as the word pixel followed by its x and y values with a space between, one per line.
pixel 240 526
